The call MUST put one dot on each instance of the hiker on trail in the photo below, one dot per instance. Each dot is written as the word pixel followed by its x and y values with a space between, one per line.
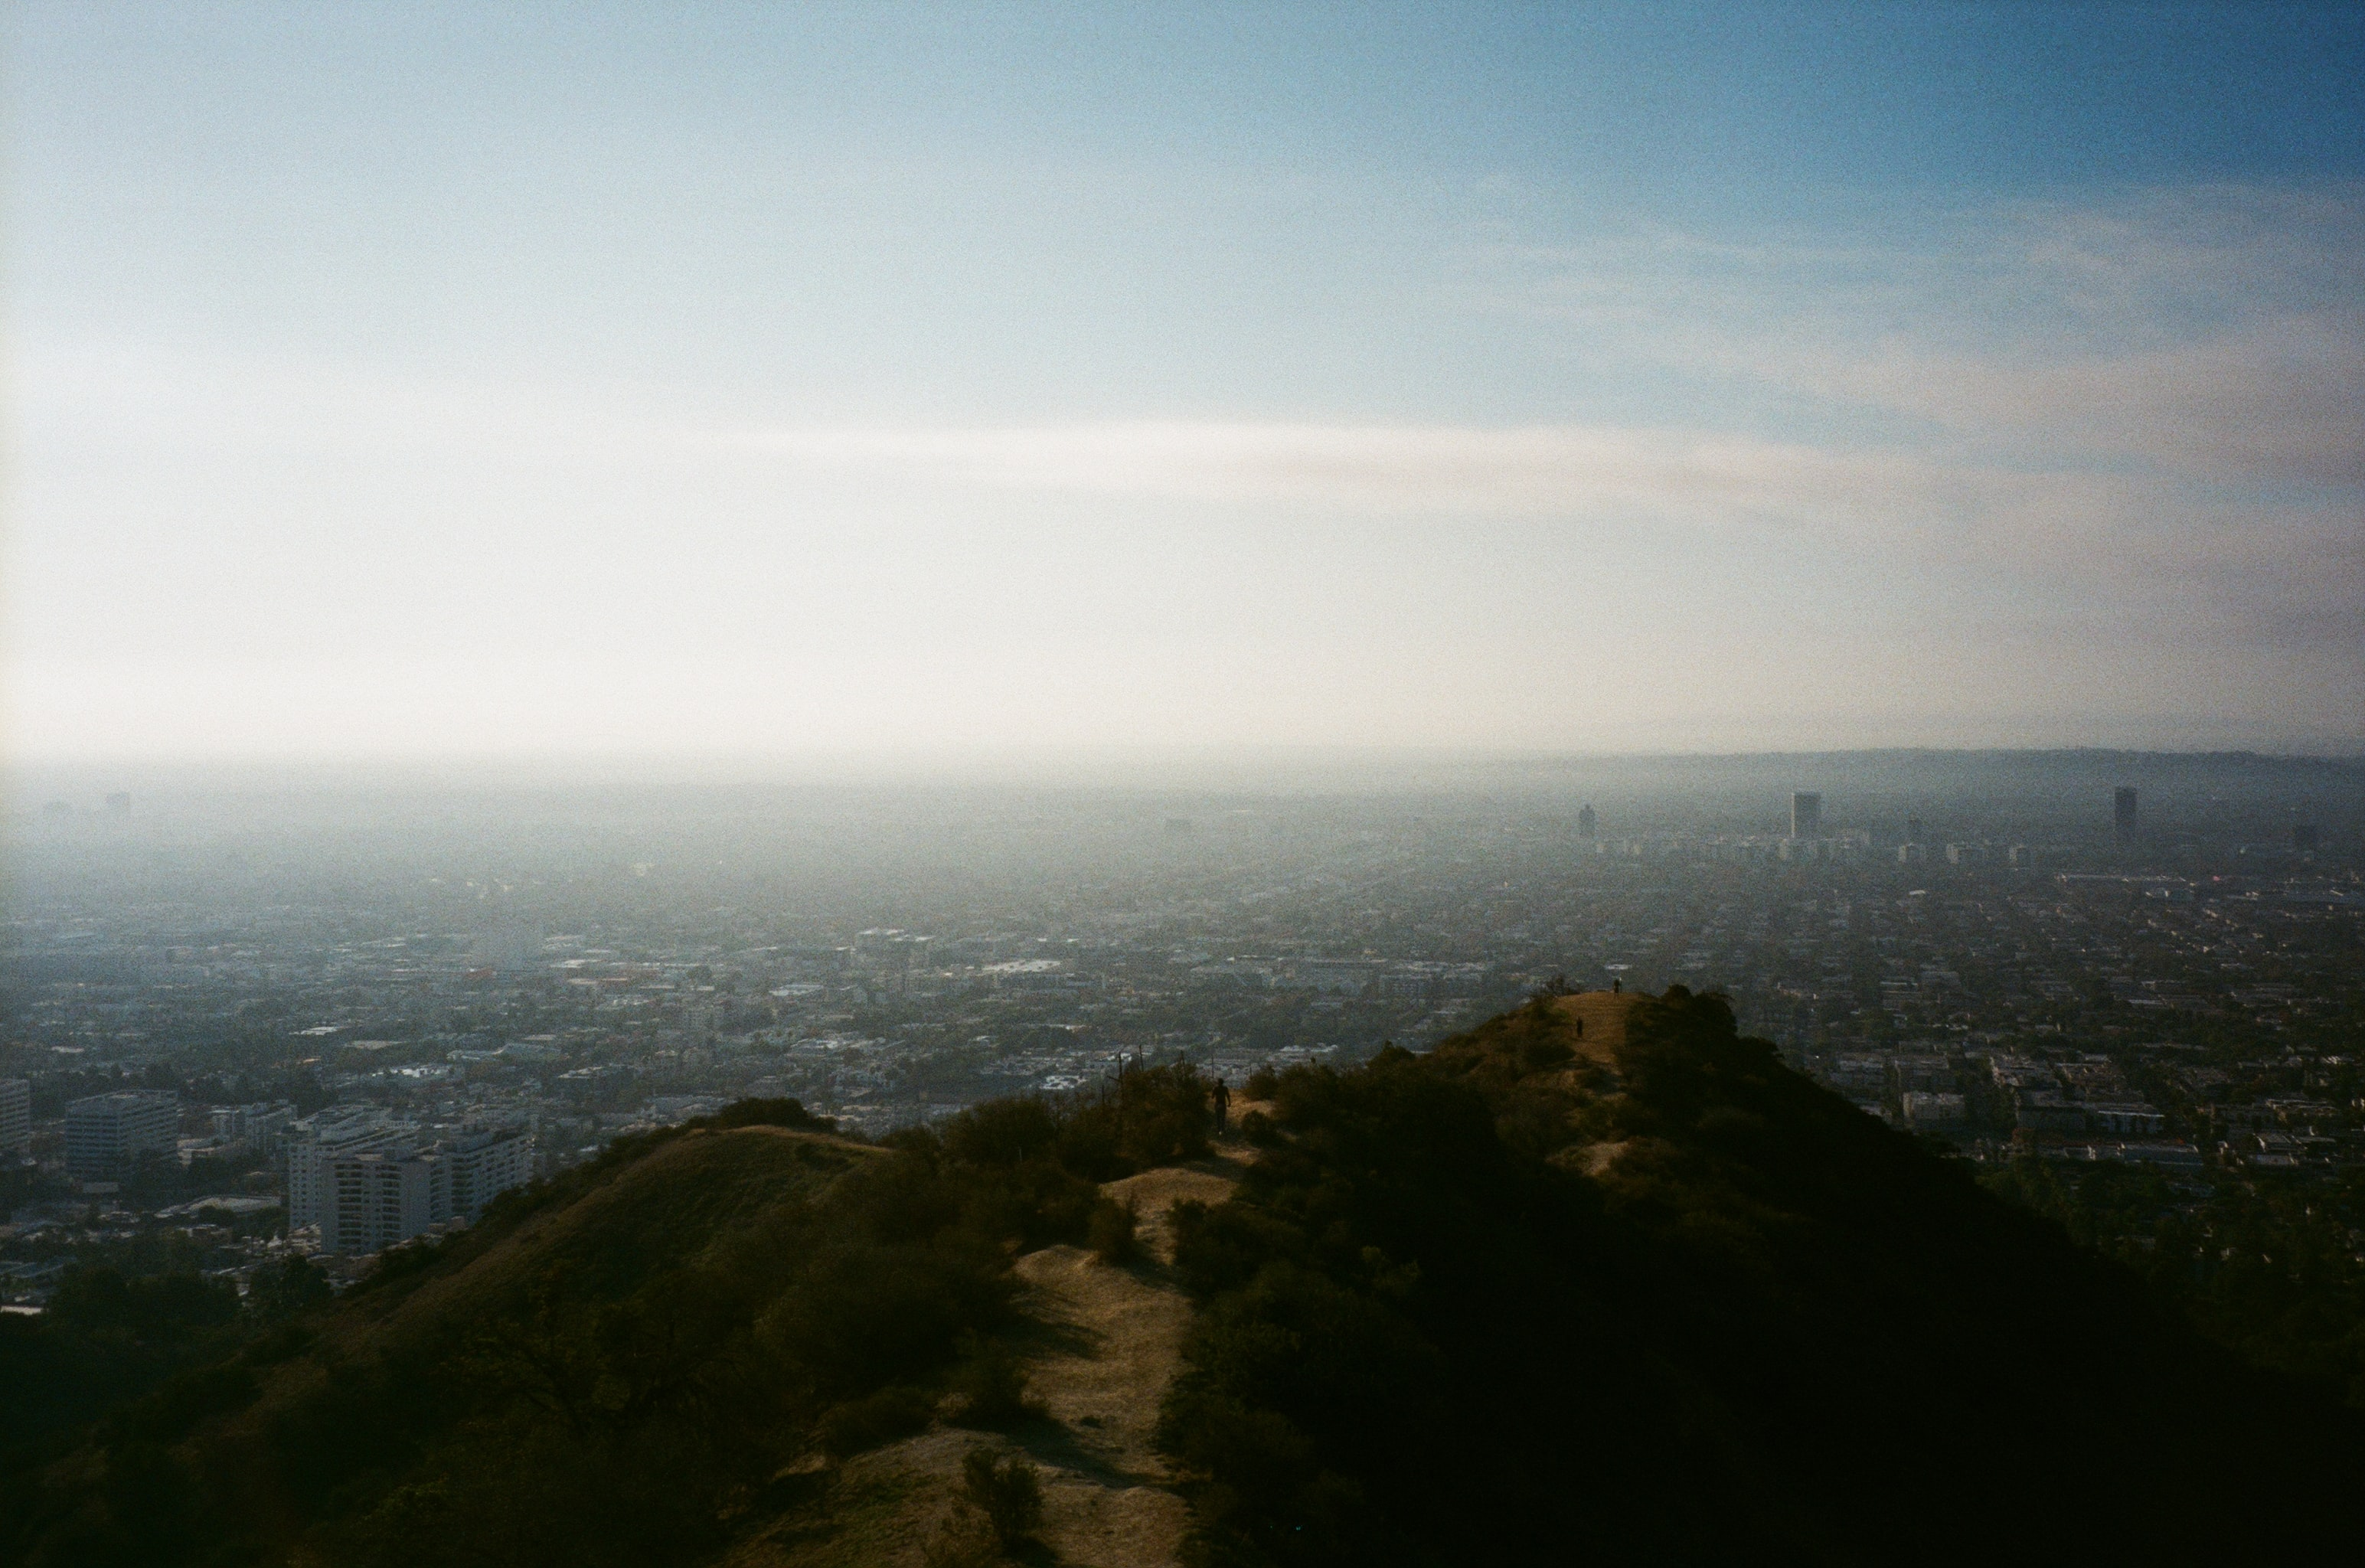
pixel 1223 1096
pixel 1616 985
pixel 1580 1028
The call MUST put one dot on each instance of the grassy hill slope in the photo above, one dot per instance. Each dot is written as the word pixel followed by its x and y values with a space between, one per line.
pixel 635 1364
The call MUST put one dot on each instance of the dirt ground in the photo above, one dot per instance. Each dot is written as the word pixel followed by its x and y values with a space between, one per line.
pixel 1602 1016
pixel 1106 1342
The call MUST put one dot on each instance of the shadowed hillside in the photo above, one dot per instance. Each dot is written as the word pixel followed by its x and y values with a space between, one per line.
pixel 1646 1295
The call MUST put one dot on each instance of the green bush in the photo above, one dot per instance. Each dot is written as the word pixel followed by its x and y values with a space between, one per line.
pixel 863 1314
pixel 1002 1133
pixel 167 1415
pixel 159 1308
pixel 965 1540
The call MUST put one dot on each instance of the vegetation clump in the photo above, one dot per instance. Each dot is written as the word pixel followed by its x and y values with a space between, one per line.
pixel 1007 1490
pixel 1113 1232
pixel 989 1387
pixel 896 1411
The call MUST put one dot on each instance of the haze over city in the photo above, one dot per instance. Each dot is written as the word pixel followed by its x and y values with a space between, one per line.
pixel 1181 786
pixel 877 383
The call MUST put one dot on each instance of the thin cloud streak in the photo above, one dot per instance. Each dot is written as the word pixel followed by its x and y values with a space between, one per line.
pixel 2133 531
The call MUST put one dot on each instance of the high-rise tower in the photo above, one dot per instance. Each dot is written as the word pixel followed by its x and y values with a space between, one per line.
pixel 2123 809
pixel 1587 824
pixel 1805 814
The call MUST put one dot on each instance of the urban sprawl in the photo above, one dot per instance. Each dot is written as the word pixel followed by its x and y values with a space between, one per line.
pixel 216 1054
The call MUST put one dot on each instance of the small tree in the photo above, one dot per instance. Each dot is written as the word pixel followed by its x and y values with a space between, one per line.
pixel 991 1386
pixel 1008 1492
pixel 1115 1231
pixel 283 1290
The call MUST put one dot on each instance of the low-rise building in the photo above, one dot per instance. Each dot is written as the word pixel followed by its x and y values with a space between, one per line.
pixel 2127 1116
pixel 1927 1108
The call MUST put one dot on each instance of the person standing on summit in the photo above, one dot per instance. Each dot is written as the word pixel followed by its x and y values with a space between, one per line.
pixel 1222 1095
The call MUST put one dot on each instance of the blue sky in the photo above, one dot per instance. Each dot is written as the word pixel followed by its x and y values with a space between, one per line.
pixel 406 380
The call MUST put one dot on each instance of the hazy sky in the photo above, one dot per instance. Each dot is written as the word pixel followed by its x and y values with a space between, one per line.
pixel 405 379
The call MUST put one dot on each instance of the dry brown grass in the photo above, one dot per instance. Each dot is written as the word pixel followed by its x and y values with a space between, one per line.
pixel 1603 1013
pixel 1105 1342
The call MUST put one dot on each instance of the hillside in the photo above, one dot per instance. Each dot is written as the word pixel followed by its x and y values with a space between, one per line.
pixel 1597 1279
pixel 669 1356
pixel 1641 1292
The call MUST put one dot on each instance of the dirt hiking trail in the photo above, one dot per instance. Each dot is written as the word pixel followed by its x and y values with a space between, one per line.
pixel 1104 1342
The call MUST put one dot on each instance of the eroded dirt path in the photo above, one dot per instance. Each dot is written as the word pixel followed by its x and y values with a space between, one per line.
pixel 1106 1341
pixel 1111 1342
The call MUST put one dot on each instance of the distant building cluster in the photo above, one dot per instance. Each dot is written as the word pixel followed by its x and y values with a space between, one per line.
pixel 359 1067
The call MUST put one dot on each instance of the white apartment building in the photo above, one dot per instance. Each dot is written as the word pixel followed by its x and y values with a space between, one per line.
pixel 366 1199
pixel 340 1130
pixel 483 1164
pixel 370 1201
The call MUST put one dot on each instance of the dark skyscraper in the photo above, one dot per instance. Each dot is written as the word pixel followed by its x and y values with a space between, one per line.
pixel 2123 809
pixel 1805 814
pixel 1587 824
pixel 1912 830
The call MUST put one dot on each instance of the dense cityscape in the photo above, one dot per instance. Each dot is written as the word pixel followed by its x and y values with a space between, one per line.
pixel 225 1046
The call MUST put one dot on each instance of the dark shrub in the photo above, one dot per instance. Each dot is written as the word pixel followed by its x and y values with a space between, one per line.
pixel 866 1315
pixel 1008 1492
pixel 892 1413
pixel 989 1387
pixel 769 1114
pixel 1115 1232
pixel 167 1415
pixel 292 1286
pixel 1002 1132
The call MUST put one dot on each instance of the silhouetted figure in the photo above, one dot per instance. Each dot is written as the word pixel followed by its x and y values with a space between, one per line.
pixel 1223 1098
pixel 1616 986
pixel 1580 1028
